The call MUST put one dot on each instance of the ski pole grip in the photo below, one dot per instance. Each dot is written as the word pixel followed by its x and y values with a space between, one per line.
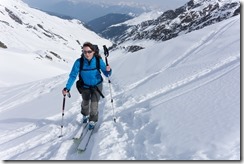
pixel 68 94
pixel 106 53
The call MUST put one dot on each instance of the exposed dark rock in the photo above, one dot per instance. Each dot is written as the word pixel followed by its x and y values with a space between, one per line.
pixel 2 45
pixel 134 48
pixel 55 54
pixel 192 16
pixel 13 16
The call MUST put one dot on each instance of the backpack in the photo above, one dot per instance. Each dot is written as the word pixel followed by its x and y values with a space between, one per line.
pixel 80 83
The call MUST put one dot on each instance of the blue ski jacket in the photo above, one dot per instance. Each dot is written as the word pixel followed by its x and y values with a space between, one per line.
pixel 90 74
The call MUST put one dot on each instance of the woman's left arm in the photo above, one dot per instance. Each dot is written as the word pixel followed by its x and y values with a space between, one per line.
pixel 107 71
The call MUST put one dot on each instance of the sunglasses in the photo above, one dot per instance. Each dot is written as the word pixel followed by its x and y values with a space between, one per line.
pixel 85 52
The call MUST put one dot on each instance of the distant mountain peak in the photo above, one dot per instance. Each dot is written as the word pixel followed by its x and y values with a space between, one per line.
pixel 194 15
pixel 100 24
pixel 89 10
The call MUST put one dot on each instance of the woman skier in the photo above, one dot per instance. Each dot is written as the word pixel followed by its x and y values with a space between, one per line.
pixel 90 81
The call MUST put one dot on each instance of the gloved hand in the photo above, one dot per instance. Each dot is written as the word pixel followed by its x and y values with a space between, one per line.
pixel 65 92
pixel 108 68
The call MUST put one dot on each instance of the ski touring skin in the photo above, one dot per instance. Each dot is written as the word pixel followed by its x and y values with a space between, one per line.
pixel 81 131
pixel 85 140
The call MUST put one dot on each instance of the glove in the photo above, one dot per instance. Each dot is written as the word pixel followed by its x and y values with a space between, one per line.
pixel 65 92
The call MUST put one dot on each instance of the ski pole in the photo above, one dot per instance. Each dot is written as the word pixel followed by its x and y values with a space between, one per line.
pixel 63 107
pixel 106 53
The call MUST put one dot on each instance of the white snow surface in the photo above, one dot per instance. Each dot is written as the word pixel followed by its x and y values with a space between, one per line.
pixel 141 18
pixel 32 41
pixel 173 100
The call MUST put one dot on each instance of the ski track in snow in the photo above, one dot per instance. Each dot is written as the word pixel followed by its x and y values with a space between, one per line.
pixel 205 76
pixel 125 133
pixel 213 35
pixel 22 93
pixel 194 49
pixel 39 139
pixel 28 143
pixel 21 142
pixel 50 127
pixel 49 142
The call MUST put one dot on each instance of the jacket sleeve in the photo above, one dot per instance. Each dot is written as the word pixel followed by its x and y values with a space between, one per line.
pixel 73 74
pixel 103 68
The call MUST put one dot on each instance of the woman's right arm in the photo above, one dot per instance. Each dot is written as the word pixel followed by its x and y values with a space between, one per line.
pixel 73 74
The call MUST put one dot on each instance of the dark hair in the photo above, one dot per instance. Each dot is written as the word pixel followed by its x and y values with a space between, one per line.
pixel 88 44
pixel 92 47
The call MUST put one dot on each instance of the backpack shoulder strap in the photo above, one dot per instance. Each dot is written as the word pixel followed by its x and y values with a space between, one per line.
pixel 98 62
pixel 81 65
pixel 98 56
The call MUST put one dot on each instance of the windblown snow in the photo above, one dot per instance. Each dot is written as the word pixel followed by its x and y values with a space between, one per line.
pixel 173 100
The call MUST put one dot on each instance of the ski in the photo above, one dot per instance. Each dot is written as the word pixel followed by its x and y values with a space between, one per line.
pixel 85 140
pixel 80 133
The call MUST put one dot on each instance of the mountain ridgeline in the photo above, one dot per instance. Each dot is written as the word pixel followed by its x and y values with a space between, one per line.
pixel 85 11
pixel 57 38
pixel 194 15
pixel 100 24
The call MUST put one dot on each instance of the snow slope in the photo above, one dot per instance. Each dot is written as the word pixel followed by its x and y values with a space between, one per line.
pixel 32 35
pixel 180 98
pixel 175 100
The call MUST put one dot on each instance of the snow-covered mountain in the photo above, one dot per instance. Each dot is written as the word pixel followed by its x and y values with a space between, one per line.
pixel 194 15
pixel 100 24
pixel 47 42
pixel 87 11
pixel 173 100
